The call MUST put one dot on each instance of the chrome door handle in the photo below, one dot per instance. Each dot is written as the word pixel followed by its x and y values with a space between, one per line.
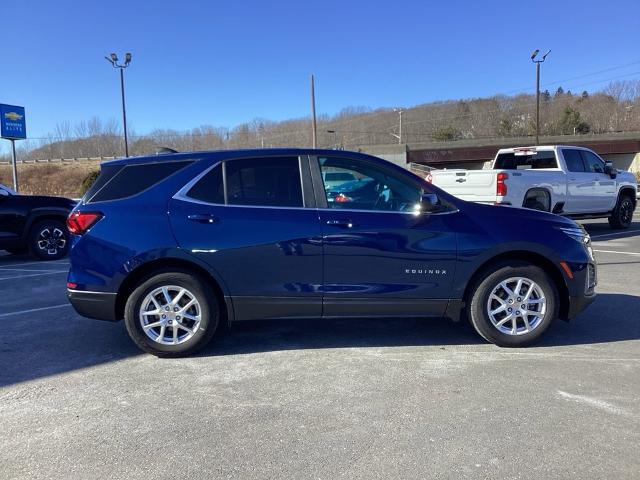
pixel 203 218
pixel 340 223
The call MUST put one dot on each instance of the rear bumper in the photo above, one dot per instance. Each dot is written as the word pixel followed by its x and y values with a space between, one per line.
pixel 98 305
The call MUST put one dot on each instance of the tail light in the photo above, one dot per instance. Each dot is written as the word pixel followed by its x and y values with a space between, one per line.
pixel 342 198
pixel 79 222
pixel 501 187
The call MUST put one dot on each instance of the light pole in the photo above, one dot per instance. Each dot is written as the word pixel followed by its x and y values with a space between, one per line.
pixel 538 62
pixel 400 111
pixel 113 60
pixel 335 138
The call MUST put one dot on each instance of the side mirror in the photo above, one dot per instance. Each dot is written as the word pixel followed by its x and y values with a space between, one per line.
pixel 610 170
pixel 429 202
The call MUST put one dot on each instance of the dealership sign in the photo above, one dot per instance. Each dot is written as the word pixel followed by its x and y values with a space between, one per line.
pixel 12 122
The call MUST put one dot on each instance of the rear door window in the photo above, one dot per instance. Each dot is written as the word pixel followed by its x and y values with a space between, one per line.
pixel 209 188
pixel 271 182
pixel 573 159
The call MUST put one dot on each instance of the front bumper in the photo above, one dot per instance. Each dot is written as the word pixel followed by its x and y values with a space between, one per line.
pixel 98 305
pixel 578 304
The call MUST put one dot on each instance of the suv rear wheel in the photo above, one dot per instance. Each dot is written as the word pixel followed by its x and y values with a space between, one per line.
pixel 622 214
pixel 513 304
pixel 49 240
pixel 172 314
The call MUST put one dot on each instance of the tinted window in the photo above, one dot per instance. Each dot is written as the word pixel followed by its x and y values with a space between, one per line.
pixel 592 162
pixel 209 188
pixel 264 181
pixel 338 176
pixel 573 159
pixel 133 179
pixel 107 172
pixel 513 161
pixel 373 188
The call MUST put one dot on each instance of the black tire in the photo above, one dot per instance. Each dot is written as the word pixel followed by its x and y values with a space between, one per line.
pixel 622 214
pixel 477 308
pixel 49 240
pixel 199 289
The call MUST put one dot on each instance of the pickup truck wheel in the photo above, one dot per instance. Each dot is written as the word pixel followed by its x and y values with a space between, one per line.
pixel 172 314
pixel 513 303
pixel 622 215
pixel 49 240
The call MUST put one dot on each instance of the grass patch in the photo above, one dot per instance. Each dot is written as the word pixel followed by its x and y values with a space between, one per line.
pixel 59 179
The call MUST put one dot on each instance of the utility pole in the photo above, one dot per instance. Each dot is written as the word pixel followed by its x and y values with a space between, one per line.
pixel 113 59
pixel 314 133
pixel 538 62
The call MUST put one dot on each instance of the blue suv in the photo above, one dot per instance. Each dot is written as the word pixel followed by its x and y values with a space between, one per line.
pixel 178 244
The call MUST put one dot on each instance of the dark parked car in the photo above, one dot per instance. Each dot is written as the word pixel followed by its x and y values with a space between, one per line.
pixel 35 224
pixel 180 243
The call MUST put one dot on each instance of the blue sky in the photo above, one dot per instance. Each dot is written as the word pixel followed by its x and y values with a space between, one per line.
pixel 223 63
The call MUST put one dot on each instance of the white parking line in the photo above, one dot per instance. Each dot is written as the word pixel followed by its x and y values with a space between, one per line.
pixel 18 277
pixel 613 234
pixel 34 310
pixel 615 251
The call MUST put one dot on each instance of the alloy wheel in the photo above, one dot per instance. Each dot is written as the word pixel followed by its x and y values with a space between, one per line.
pixel 516 306
pixel 170 315
pixel 51 240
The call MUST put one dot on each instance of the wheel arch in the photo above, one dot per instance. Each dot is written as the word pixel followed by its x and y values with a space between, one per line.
pixel 534 258
pixel 129 284
pixel 628 191
pixel 532 193
pixel 40 216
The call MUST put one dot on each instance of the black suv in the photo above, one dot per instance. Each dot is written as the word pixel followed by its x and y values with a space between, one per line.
pixel 35 224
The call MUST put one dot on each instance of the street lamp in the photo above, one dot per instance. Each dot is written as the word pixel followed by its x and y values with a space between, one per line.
pixel 335 138
pixel 113 60
pixel 538 62
pixel 400 111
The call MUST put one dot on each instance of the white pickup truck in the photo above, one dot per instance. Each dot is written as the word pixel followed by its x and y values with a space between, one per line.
pixel 571 181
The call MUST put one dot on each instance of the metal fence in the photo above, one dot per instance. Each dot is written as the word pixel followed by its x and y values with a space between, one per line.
pixel 61 160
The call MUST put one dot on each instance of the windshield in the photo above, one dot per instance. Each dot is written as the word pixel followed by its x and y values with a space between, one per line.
pixel 516 161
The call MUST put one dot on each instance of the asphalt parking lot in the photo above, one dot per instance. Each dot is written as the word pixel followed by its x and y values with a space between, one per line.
pixel 322 399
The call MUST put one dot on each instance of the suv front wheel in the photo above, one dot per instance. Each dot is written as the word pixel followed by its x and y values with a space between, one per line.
pixel 172 314
pixel 513 304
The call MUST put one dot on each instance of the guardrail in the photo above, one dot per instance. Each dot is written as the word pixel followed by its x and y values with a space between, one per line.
pixel 61 160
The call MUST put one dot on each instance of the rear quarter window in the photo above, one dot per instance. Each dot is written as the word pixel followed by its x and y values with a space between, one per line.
pixel 126 181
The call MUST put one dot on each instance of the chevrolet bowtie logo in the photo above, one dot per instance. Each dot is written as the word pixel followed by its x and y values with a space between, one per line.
pixel 13 116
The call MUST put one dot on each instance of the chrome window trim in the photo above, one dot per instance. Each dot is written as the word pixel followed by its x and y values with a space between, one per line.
pixel 182 195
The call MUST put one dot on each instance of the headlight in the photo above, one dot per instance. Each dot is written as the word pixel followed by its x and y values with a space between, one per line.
pixel 579 234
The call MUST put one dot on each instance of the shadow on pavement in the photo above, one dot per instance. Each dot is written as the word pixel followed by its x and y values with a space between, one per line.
pixel 613 317
pixel 60 342
pixel 603 229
